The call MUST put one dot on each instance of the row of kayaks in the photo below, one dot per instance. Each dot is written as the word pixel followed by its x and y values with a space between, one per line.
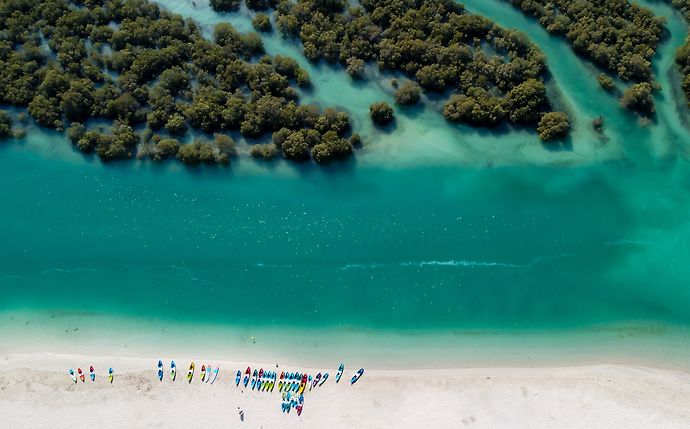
pixel 207 375
pixel 263 381
pixel 79 375
pixel 288 382
pixel 290 402
pixel 293 384
pixel 259 380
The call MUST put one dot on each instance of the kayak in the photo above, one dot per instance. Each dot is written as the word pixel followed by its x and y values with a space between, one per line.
pixel 173 370
pixel 215 374
pixel 190 373
pixel 273 382
pixel 261 373
pixel 110 375
pixel 160 370
pixel 303 384
pixel 92 374
pixel 81 374
pixel 341 369
pixel 255 374
pixel 246 376
pixel 300 406
pixel 238 377
pixel 209 372
pixel 73 375
pixel 357 376
pixel 323 380
pixel 317 379
pixel 203 373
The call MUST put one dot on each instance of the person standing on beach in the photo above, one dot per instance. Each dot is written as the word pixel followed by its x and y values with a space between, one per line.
pixel 241 412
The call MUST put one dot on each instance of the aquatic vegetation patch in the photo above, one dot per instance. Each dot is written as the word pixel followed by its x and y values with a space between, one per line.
pixel 130 64
pixel 683 55
pixel 434 43
pixel 618 36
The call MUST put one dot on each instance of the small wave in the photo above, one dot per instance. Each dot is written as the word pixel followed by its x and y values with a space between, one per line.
pixel 450 263
pixel 463 263
pixel 363 266
pixel 626 242
pixel 262 265
pixel 72 270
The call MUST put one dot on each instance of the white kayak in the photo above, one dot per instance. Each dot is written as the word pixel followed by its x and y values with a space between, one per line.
pixel 215 374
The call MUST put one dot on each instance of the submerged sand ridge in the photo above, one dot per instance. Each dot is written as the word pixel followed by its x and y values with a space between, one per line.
pixel 600 396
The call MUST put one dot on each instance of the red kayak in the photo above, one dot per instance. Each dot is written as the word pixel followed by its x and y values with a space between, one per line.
pixel 247 373
pixel 81 374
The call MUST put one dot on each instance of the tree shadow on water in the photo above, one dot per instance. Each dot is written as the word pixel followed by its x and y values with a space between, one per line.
pixel 560 145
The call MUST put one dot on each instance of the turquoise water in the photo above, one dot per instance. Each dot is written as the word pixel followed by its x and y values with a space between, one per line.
pixel 432 228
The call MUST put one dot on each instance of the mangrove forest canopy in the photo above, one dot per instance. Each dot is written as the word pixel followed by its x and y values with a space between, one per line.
pixel 491 76
pixel 132 65
pixel 617 35
pixel 125 79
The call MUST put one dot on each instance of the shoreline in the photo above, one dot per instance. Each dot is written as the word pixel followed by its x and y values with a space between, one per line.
pixel 637 344
pixel 611 396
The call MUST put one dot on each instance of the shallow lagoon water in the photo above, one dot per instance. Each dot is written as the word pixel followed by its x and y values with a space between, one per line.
pixel 419 234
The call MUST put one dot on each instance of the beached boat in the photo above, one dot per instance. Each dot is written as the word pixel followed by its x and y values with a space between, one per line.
pixel 357 376
pixel 73 375
pixel 300 405
pixel 190 373
pixel 81 374
pixel 215 374
pixel 209 373
pixel 341 369
pixel 316 380
pixel 238 377
pixel 110 375
pixel 92 374
pixel 203 372
pixel 302 384
pixel 323 379
pixel 160 370
pixel 173 370
pixel 246 376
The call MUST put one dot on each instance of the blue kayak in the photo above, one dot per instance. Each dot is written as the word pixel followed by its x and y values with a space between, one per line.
pixel 341 369
pixel 357 376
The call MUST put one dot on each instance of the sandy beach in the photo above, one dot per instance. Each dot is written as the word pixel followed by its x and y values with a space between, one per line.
pixel 37 392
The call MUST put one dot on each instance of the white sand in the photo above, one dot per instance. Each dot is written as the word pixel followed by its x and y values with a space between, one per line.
pixel 601 396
